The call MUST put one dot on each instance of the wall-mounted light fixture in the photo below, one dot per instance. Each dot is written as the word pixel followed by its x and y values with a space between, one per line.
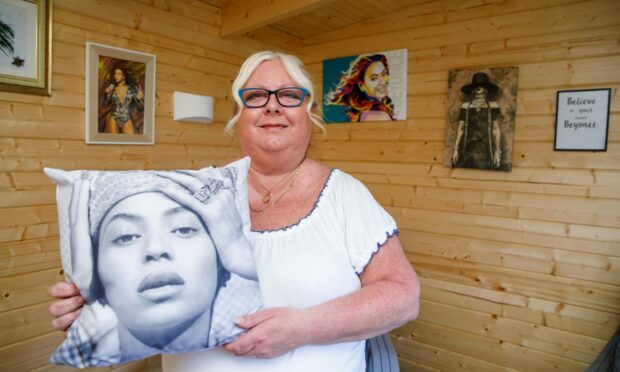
pixel 193 107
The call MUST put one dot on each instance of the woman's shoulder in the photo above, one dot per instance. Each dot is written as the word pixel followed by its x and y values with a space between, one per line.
pixel 319 175
pixel 334 178
pixel 374 115
pixel 339 183
pixel 316 171
pixel 317 166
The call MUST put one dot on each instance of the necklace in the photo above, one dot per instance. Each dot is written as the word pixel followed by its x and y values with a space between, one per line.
pixel 267 196
pixel 295 173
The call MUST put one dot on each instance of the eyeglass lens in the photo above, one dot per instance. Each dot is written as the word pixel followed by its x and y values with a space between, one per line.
pixel 289 97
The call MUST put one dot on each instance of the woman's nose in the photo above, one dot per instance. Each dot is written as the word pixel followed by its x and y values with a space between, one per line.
pixel 272 104
pixel 156 249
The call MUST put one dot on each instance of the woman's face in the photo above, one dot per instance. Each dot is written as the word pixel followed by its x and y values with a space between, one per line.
pixel 273 128
pixel 376 80
pixel 118 75
pixel 480 91
pixel 156 262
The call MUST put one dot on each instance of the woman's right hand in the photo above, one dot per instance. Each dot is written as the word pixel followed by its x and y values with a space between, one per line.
pixel 68 306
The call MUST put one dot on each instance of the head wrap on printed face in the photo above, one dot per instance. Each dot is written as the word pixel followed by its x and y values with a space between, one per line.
pixel 107 189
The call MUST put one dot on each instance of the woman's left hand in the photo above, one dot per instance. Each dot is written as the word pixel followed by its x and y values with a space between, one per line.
pixel 140 94
pixel 271 332
pixel 219 212
pixel 497 159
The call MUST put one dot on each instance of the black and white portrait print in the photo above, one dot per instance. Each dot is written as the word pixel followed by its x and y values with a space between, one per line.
pixel 161 258
pixel 481 118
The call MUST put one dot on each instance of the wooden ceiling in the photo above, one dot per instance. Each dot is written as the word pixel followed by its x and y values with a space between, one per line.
pixel 302 18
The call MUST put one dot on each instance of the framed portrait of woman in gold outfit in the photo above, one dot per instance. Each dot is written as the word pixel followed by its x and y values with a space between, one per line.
pixel 120 96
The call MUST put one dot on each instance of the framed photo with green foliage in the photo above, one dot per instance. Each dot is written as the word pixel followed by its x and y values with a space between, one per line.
pixel 120 96
pixel 25 46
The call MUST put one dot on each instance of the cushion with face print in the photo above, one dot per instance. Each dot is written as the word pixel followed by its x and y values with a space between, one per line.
pixel 162 259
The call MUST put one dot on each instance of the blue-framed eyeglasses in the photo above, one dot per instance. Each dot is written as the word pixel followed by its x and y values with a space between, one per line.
pixel 287 96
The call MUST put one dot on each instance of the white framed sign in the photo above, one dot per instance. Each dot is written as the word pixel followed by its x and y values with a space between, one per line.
pixel 582 120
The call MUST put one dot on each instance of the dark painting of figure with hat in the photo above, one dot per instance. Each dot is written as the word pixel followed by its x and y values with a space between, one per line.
pixel 481 118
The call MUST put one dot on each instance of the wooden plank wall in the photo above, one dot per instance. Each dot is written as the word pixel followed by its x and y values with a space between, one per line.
pixel 520 270
pixel 49 131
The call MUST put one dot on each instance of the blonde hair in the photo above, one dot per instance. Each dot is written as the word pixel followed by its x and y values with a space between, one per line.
pixel 293 66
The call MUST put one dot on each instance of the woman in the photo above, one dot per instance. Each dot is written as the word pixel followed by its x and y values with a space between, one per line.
pixel 121 97
pixel 154 264
pixel 478 135
pixel 363 90
pixel 331 269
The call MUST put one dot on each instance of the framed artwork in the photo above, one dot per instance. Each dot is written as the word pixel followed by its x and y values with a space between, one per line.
pixel 25 46
pixel 120 96
pixel 365 87
pixel 482 105
pixel 582 120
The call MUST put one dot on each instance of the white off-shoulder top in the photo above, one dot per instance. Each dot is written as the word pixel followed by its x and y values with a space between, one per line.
pixel 310 262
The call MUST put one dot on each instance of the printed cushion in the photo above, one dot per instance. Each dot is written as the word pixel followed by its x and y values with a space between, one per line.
pixel 162 259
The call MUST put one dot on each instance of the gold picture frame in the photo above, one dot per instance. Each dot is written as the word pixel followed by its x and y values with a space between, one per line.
pixel 26 46
pixel 120 96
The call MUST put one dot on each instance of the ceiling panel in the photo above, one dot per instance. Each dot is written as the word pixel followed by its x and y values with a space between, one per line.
pixel 334 15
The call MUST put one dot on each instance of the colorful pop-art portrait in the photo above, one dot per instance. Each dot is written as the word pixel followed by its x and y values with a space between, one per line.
pixel 365 87
pixel 482 104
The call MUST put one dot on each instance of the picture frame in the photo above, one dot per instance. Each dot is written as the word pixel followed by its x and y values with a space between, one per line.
pixel 582 120
pixel 368 87
pixel 26 46
pixel 120 96
pixel 481 118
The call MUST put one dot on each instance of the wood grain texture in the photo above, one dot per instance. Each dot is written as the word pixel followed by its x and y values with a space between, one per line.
pixel 552 221
pixel 519 270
